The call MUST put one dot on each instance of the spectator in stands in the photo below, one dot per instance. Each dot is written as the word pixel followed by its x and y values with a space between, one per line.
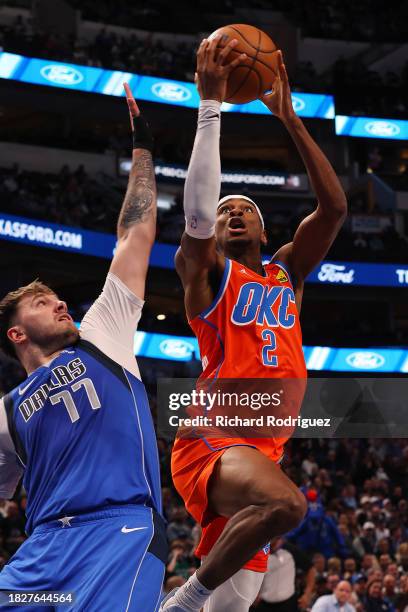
pixel 309 465
pixel 365 543
pixel 384 559
pixel 332 582
pixel 319 562
pixel 390 591
pixel 374 601
pixel 401 603
pixel 179 561
pixel 350 569
pixel 402 557
pixel 178 528
pixel 339 600
pixel 359 585
pixel 318 532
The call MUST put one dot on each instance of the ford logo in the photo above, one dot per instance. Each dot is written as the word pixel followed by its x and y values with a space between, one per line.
pixel 61 75
pixel 178 349
pixel 365 360
pixel 172 92
pixel 298 104
pixel 386 129
pixel 335 273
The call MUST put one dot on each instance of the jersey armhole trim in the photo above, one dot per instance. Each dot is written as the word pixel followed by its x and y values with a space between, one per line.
pixel 223 286
pixel 15 436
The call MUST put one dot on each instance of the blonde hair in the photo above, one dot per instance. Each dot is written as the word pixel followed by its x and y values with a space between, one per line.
pixel 8 309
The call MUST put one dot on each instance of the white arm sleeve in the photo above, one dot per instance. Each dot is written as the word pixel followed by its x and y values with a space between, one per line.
pixel 203 181
pixel 111 323
pixel 11 469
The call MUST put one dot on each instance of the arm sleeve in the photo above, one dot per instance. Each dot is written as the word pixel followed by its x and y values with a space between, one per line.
pixel 203 182
pixel 11 469
pixel 111 323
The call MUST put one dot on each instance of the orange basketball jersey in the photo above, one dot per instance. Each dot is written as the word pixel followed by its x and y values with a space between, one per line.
pixel 252 328
pixel 250 331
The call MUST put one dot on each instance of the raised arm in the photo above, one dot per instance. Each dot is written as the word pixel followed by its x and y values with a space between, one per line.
pixel 136 228
pixel 197 256
pixel 317 231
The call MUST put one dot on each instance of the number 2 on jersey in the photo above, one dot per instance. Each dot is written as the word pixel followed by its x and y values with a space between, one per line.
pixel 268 359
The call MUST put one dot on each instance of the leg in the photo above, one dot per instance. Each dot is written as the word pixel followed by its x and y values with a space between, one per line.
pixel 262 503
pixel 236 594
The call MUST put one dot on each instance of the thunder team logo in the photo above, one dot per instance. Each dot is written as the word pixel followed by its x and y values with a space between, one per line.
pixel 264 305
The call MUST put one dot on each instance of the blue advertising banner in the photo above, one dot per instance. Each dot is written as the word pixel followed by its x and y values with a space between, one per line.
pixel 99 244
pixel 152 89
pixel 371 127
pixel 73 239
pixel 356 273
pixel 185 348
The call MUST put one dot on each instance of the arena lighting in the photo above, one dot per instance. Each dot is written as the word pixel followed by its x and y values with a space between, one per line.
pixel 152 89
pixel 185 348
pixel 98 244
pixel 161 317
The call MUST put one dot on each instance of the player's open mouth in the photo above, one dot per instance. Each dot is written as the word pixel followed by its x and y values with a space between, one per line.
pixel 236 226
pixel 65 318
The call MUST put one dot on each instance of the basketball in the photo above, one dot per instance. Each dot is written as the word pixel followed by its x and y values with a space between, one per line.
pixel 255 75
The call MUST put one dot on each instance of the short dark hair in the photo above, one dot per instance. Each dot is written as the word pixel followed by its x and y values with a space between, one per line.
pixel 8 308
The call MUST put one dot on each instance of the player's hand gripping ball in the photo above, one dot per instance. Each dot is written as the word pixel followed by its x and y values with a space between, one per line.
pixel 256 73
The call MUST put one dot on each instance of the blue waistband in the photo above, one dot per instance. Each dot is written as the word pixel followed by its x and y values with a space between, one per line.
pixel 75 520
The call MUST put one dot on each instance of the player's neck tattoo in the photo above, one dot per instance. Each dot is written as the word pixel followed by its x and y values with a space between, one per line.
pixel 140 196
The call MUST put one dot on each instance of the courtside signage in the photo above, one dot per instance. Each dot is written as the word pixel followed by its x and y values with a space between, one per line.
pixel 185 348
pixel 348 273
pixel 152 89
pixel 99 244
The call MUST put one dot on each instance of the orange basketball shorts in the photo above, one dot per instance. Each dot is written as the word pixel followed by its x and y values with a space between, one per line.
pixel 192 464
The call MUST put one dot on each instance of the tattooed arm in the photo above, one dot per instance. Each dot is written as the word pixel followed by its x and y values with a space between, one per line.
pixel 137 219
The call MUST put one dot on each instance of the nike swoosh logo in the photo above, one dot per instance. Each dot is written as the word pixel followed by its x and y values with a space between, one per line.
pixel 127 530
pixel 22 390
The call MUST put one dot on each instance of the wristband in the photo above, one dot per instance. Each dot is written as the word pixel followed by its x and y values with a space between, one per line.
pixel 142 136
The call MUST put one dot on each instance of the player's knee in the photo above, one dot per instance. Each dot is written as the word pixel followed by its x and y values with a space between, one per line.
pixel 284 512
pixel 296 509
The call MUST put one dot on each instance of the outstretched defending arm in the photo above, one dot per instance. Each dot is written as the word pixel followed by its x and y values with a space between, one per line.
pixel 111 322
pixel 317 232
pixel 137 219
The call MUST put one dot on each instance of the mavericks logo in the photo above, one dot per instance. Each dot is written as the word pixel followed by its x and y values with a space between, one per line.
pixel 365 360
pixel 172 92
pixel 177 349
pixel 332 273
pixel 386 129
pixel 61 75
pixel 298 104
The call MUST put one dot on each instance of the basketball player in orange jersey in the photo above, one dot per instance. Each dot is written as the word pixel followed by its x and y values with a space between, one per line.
pixel 246 319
